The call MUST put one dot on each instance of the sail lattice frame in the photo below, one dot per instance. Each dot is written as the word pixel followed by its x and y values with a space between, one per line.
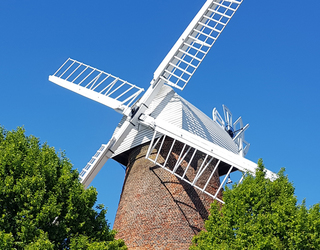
pixel 96 85
pixel 194 44
pixel 182 168
pixel 226 161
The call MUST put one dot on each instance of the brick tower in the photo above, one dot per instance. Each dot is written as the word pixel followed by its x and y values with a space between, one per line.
pixel 156 209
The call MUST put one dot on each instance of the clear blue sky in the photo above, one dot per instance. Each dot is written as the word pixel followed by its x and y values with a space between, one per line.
pixel 265 67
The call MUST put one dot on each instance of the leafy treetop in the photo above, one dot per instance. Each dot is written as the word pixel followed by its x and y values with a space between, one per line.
pixel 42 203
pixel 260 214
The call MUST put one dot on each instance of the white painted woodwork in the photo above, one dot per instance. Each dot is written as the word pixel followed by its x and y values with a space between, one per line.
pixel 161 112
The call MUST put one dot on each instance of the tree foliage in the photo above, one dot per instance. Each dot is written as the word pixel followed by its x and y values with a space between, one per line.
pixel 260 214
pixel 42 203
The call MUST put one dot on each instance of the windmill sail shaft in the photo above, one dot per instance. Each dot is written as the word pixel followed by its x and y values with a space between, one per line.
pixel 110 102
pixel 194 44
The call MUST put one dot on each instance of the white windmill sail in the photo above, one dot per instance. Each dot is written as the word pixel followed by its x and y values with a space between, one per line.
pixel 96 85
pixel 192 143
pixel 94 165
pixel 194 44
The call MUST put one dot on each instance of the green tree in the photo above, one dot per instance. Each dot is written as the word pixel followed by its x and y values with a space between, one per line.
pixel 260 214
pixel 42 203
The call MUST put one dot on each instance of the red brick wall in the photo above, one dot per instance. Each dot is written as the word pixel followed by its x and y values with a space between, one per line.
pixel 156 209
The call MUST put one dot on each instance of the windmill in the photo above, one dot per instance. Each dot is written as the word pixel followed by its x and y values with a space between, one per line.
pixel 178 159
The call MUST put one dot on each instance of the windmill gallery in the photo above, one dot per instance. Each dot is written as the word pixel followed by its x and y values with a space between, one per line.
pixel 178 159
